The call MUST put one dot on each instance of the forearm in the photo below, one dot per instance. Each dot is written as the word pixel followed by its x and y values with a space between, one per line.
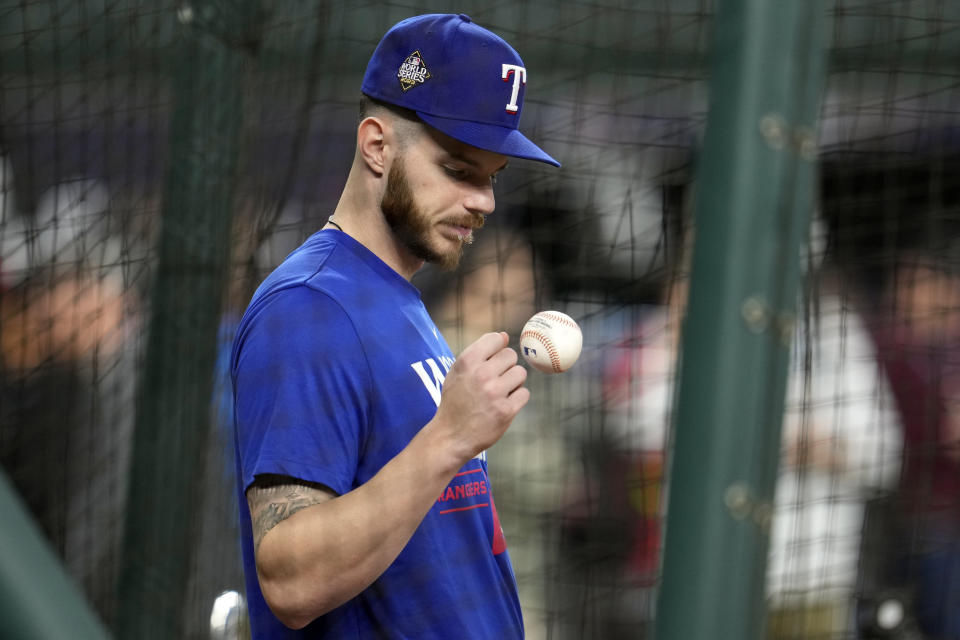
pixel 324 555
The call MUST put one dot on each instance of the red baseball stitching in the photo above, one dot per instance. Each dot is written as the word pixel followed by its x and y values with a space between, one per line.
pixel 551 351
pixel 561 319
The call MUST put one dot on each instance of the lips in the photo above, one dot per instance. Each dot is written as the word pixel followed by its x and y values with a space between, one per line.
pixel 461 228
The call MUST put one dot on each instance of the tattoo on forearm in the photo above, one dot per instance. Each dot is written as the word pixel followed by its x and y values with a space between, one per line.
pixel 271 505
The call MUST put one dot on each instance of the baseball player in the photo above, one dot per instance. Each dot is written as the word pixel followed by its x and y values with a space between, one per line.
pixel 366 509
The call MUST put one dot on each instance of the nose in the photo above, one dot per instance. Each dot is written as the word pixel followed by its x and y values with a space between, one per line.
pixel 480 199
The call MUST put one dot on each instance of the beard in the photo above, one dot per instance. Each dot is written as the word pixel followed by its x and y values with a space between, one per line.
pixel 412 228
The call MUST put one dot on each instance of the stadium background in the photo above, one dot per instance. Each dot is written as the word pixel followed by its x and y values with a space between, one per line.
pixel 161 157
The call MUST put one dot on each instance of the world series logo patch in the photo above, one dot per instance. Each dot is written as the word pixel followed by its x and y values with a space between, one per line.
pixel 413 71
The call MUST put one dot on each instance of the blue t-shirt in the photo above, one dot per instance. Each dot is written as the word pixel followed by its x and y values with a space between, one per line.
pixel 336 366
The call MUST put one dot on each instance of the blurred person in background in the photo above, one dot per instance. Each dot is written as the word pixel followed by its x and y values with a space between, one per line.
pixel 842 444
pixel 68 327
pixel 495 287
pixel 918 339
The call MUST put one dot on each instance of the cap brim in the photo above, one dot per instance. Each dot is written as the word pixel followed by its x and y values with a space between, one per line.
pixel 490 137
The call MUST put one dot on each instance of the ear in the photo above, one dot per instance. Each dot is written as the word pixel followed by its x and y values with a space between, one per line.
pixel 371 144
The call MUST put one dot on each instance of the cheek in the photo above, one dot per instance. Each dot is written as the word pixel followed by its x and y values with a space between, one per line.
pixel 435 197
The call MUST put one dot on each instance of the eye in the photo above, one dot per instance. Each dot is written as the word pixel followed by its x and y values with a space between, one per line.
pixel 455 173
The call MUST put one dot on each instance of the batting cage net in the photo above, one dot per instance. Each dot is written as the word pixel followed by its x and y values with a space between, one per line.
pixel 160 158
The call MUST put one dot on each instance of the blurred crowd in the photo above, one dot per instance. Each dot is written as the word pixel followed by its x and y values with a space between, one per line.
pixel 864 531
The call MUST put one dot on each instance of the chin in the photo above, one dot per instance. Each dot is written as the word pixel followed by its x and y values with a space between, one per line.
pixel 449 259
pixel 446 252
pixel 449 262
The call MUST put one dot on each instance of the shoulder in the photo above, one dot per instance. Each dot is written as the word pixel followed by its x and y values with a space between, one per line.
pixel 306 288
pixel 311 261
pixel 294 319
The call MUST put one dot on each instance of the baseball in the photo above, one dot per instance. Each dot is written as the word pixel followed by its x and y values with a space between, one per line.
pixel 551 341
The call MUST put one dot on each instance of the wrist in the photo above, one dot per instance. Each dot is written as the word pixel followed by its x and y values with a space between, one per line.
pixel 441 448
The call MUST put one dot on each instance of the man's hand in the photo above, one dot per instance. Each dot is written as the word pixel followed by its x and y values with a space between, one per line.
pixel 481 395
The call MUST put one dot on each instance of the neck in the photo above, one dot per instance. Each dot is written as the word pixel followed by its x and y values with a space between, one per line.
pixel 358 215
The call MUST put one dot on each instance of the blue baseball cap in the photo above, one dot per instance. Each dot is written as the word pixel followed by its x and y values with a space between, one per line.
pixel 459 78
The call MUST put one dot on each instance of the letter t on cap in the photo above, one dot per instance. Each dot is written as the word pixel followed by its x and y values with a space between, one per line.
pixel 519 77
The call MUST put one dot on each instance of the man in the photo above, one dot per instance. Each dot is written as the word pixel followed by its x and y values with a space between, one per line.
pixel 919 344
pixel 365 504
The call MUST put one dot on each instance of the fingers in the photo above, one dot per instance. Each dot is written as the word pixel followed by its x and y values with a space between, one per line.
pixel 493 367
pixel 485 346
pixel 512 375
pixel 519 398
pixel 489 357
pixel 508 385
pixel 502 360
pixel 482 393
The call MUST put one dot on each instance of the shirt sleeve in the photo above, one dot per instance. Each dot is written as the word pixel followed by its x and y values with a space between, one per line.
pixel 301 387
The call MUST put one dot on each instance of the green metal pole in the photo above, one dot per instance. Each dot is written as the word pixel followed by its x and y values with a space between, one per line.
pixel 37 598
pixel 173 412
pixel 755 186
